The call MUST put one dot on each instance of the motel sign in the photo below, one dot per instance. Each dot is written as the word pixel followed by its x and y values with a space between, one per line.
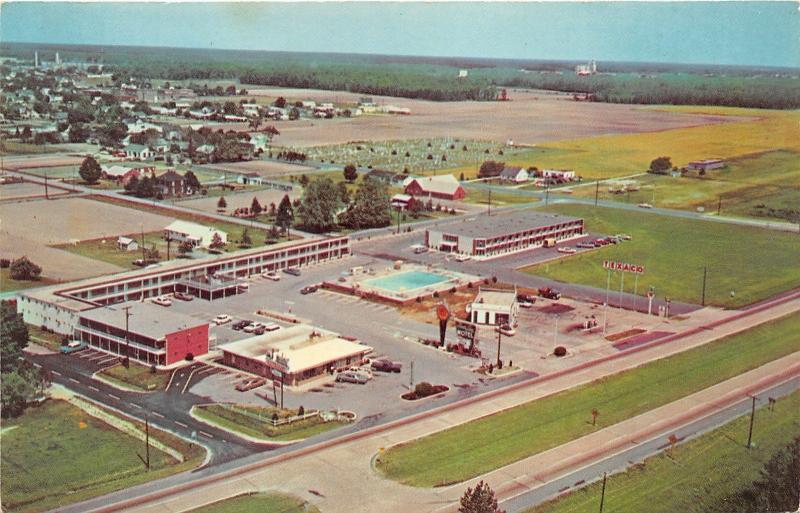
pixel 613 265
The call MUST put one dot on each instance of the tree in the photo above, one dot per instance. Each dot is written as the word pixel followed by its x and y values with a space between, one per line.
pixel 152 254
pixel 304 181
pixel 24 269
pixel 192 181
pixel 13 336
pixel 255 207
pixel 146 187
pixel 660 166
pixel 371 206
pixel 90 170
pixel 216 241
pixel 490 169
pixel 246 240
pixel 221 203
pixel 285 215
pixel 185 248
pixel 350 173
pixel 319 204
pixel 481 499
pixel 294 114
pixel 416 207
pixel 595 413
pixel 344 193
pixel 26 133
pixel 16 392
pixel 78 133
pixel 280 102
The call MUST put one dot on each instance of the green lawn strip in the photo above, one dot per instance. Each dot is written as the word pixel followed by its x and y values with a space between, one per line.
pixel 242 423
pixel 270 502
pixel 45 339
pixel 105 249
pixel 499 199
pixel 525 430
pixel 136 376
pixel 9 285
pixel 694 477
pixel 12 148
pixel 754 263
pixel 58 454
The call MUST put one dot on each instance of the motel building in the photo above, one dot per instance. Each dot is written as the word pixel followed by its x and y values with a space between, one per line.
pixel 296 355
pixel 494 307
pixel 154 336
pixel 484 237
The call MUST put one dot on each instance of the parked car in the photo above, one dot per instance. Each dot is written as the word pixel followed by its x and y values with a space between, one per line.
pixel 623 236
pixel 525 298
pixel 384 365
pixel 271 275
pixel 567 250
pixel 162 301
pixel 240 325
pixel 270 326
pixel 253 326
pixel 72 346
pixel 244 286
pixel 294 271
pixel 506 330
pixel 462 258
pixel 601 242
pixel 309 289
pixel 418 250
pixel 549 293
pixel 352 377
pixel 183 296
pixel 585 245
pixel 222 319
pixel 250 384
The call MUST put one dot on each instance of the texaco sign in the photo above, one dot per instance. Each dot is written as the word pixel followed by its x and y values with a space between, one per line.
pixel 623 266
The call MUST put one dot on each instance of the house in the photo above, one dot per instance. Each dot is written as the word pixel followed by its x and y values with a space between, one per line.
pixel 198 234
pixel 494 307
pixel 402 201
pixel 706 165
pixel 441 186
pixel 138 152
pixel 123 175
pixel 559 175
pixel 514 174
pixel 173 184
pixel 251 178
pixel 127 244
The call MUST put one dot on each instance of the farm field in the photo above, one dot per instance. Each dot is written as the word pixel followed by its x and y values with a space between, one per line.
pixel 674 252
pixel 514 434
pixel 267 168
pixel 14 148
pixel 695 477
pixel 759 185
pixel 25 190
pixel 75 456
pixel 271 502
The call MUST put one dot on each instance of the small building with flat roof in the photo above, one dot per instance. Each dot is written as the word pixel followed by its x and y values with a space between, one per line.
pixel 494 306
pixel 491 236
pixel 155 335
pixel 294 355
pixel 706 164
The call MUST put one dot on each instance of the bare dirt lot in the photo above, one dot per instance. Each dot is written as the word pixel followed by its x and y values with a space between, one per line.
pixel 30 229
pixel 262 167
pixel 27 190
pixel 530 117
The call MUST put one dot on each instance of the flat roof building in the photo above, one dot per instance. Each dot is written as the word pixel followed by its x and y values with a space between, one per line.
pixel 494 306
pixel 490 236
pixel 296 354
pixel 155 336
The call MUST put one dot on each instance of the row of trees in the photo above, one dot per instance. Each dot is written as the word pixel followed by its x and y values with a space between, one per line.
pixel 21 381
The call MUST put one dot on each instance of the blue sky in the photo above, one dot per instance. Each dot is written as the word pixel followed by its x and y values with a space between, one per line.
pixel 749 33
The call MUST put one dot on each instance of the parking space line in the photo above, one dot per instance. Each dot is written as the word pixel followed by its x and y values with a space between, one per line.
pixel 156 414
pixel 74 380
pixel 135 405
pixel 113 396
pixel 209 435
pixel 181 424
pixel 94 388
pixel 56 373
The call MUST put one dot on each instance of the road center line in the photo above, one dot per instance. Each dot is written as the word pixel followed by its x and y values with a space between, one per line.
pixel 156 414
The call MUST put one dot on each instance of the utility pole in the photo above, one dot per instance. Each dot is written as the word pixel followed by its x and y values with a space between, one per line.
pixel 705 275
pixel 547 193
pixel 283 384
pixel 596 192
pixel 144 258
pixel 46 195
pixel 127 335
pixel 146 459
pixel 499 334
pixel 752 419
pixel 398 221
pixel 719 204
pixel 489 212
pixel 603 492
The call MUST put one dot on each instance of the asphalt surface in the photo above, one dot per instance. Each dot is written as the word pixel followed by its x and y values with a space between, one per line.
pixel 639 452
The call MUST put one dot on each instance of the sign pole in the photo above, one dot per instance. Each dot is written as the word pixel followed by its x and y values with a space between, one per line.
pixel 621 284
pixel 605 307
pixel 635 288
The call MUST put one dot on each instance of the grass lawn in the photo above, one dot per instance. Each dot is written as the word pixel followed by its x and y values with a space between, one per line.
pixel 271 502
pixel 9 285
pixel 499 199
pixel 755 263
pixel 46 339
pixel 106 250
pixel 760 185
pixel 243 419
pixel 136 376
pixel 13 147
pixel 694 477
pixel 519 432
pixel 57 454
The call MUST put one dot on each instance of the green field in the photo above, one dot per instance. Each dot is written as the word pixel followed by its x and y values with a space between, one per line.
pixel 270 502
pixel 697 476
pixel 754 263
pixel 488 443
pixel 499 199
pixel 9 285
pixel 244 419
pixel 760 185
pixel 106 250
pixel 136 376
pixel 13 148
pixel 56 454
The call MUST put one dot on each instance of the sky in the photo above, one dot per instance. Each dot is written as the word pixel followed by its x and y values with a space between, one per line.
pixel 743 33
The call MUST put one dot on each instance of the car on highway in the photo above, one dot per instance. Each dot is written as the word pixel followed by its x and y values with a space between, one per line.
pixel 222 319
pixel 385 365
pixel 183 296
pixel 294 271
pixel 309 289
pixel 161 301
pixel 506 330
pixel 350 376
pixel 271 275
pixel 644 205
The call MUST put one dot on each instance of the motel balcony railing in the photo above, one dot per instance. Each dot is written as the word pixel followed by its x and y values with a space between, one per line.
pixel 137 345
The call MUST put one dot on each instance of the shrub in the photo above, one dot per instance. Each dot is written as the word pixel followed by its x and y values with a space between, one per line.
pixel 4 263
pixel 301 410
pixel 274 416
pixel 24 269
pixel 469 285
pixel 189 357
pixel 494 279
pixel 419 299
pixel 430 157
pixel 453 290
pixel 424 389
pixel 153 369
pixel 436 294
pixel 560 351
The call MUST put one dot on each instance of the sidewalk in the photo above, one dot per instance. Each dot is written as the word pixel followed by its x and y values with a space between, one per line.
pixel 334 470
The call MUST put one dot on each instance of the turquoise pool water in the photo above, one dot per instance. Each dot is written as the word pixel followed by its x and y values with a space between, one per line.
pixel 405 281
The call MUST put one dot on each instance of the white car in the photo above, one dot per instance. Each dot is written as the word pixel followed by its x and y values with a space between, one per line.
pixel 462 258
pixel 567 250
pixel 645 205
pixel 244 286
pixel 250 328
pixel 271 326
pixel 222 319
pixel 271 275
pixel 162 301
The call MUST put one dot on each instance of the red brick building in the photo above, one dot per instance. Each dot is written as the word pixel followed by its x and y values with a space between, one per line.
pixel 442 187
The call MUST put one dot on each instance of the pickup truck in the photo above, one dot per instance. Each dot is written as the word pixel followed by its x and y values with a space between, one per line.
pixel 549 293
pixel 386 366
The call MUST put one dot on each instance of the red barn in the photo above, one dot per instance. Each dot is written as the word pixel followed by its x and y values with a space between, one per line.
pixel 442 186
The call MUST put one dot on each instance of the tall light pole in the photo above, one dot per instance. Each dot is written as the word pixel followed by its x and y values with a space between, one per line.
pixel 127 336
pixel 752 420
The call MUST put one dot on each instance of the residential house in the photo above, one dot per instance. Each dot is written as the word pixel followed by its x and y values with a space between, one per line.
pixel 138 152
pixel 514 174
pixel 197 234
pixel 123 175
pixel 127 244
pixel 402 201
pixel 706 165
pixel 173 184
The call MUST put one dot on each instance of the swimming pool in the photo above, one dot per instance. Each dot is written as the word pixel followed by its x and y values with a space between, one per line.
pixel 406 281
